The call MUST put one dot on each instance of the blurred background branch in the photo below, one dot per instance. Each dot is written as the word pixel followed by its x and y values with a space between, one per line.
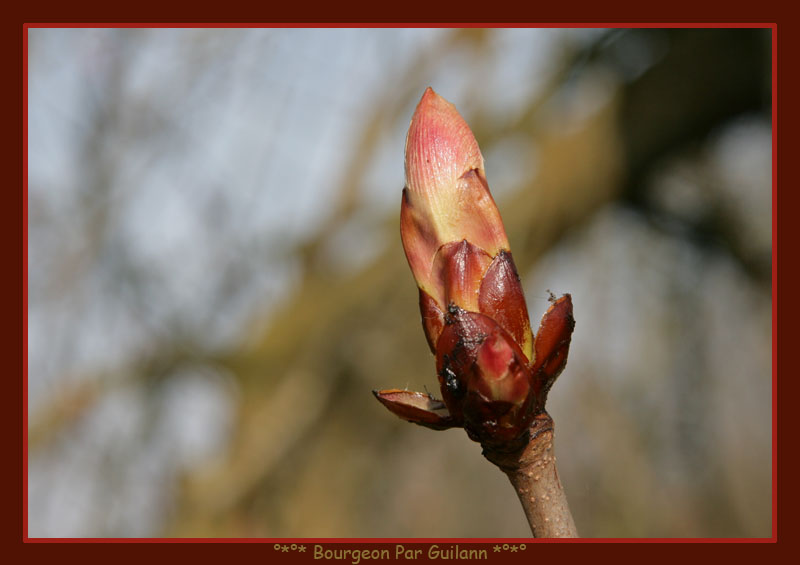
pixel 216 279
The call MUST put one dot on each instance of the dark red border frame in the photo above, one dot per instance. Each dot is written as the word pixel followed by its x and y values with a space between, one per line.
pixel 31 542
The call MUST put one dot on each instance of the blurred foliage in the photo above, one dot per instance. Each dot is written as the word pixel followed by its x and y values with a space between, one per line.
pixel 226 386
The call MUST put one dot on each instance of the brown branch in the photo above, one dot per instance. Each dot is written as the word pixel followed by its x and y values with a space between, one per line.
pixel 532 471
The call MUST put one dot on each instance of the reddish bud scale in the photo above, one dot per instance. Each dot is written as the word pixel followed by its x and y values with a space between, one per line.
pixel 552 342
pixel 493 374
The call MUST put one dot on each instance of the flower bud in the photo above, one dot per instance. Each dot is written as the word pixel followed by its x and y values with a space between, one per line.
pixel 493 375
pixel 446 199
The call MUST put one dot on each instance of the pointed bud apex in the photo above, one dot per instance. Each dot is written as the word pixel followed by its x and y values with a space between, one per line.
pixel 440 149
pixel 446 198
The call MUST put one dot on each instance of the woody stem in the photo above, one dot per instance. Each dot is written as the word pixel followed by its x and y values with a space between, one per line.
pixel 532 471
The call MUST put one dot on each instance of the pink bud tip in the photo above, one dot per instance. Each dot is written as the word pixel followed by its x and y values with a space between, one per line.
pixel 446 197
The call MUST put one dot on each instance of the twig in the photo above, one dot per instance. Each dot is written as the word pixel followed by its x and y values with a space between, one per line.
pixel 533 474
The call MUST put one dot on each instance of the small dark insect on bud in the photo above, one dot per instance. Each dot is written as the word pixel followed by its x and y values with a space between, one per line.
pixel 451 382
